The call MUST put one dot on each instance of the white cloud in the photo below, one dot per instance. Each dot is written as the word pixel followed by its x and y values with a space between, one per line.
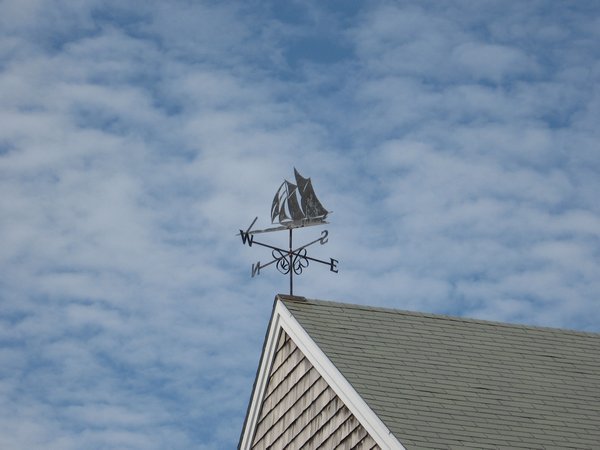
pixel 457 147
pixel 491 62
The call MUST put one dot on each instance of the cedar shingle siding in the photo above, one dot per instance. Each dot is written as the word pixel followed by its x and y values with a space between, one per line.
pixel 300 411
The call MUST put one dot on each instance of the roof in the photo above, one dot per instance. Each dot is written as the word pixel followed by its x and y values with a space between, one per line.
pixel 447 382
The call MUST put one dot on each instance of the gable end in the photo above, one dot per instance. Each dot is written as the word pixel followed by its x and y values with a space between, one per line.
pixel 301 400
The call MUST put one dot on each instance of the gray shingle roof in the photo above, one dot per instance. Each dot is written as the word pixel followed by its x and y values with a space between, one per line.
pixel 441 382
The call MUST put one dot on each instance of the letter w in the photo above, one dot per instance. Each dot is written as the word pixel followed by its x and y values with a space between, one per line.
pixel 247 237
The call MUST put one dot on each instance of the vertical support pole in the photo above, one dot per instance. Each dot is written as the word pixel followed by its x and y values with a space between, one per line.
pixel 291 266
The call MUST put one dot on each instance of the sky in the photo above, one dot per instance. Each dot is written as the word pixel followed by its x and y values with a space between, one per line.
pixel 457 144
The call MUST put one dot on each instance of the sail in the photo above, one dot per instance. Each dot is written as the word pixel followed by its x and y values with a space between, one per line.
pixel 283 217
pixel 308 199
pixel 285 205
pixel 292 202
pixel 277 207
pixel 286 209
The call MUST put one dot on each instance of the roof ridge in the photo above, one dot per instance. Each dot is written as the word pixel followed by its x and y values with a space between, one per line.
pixel 299 299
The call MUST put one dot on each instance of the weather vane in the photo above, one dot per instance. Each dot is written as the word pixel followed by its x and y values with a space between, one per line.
pixel 290 214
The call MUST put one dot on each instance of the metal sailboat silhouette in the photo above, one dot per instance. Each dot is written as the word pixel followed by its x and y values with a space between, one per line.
pixel 294 206
pixel 286 209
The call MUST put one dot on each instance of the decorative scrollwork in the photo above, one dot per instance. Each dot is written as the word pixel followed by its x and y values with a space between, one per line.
pixel 287 261
pixel 300 262
pixel 283 263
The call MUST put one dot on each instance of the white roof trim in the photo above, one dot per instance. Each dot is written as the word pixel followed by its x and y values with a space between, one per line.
pixel 283 319
pixel 262 376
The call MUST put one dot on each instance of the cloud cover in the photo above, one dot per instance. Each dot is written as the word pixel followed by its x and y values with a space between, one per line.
pixel 456 143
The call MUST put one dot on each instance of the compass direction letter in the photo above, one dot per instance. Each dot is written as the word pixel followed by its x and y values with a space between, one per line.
pixel 247 237
pixel 295 205
pixel 323 240
pixel 333 265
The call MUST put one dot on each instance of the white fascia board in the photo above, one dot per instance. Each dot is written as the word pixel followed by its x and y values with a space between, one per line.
pixel 260 385
pixel 283 319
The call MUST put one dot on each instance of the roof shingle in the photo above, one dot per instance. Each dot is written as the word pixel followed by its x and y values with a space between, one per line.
pixel 447 382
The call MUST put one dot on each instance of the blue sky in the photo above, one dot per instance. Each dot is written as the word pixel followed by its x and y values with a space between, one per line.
pixel 456 142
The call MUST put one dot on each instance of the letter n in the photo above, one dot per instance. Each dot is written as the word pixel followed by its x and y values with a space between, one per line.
pixel 255 269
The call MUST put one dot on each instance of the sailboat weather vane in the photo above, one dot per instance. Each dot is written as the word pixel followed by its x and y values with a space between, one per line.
pixel 289 213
